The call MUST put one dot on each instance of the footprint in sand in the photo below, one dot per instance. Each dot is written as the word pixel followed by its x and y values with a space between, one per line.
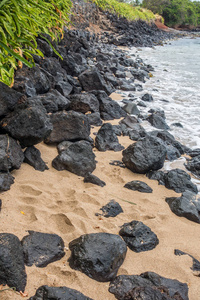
pixel 62 222
pixel 27 189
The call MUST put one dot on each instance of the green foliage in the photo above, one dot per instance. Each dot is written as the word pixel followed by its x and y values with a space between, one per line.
pixel 175 12
pixel 21 21
pixel 125 10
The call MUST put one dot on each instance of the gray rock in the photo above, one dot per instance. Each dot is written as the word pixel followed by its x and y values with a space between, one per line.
pixel 41 249
pixel 106 139
pixel 77 158
pixel 188 206
pixel 131 108
pixel 58 293
pixel 69 126
pixel 139 186
pixel 138 236
pixel 145 155
pixel 12 268
pixel 98 255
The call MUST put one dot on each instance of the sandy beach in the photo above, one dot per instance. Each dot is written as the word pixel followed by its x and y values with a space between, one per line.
pixel 61 203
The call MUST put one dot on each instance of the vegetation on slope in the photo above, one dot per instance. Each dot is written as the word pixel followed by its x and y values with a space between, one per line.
pixel 176 12
pixel 21 21
pixel 126 10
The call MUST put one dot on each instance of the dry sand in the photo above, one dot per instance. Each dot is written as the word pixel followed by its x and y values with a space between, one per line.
pixel 61 203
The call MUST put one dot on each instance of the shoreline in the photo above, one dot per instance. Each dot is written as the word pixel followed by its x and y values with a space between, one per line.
pixel 60 202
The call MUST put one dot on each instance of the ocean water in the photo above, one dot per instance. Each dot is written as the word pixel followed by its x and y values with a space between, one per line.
pixel 175 87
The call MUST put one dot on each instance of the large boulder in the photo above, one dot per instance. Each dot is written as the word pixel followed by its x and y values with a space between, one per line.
pixel 98 255
pixel 28 123
pixel 188 206
pixel 68 126
pixel 32 156
pixel 84 102
pixel 12 268
pixel 8 99
pixel 77 158
pixel 170 289
pixel 146 154
pixel 11 154
pixel 45 292
pixel 106 139
pixel 138 236
pixel 91 79
pixel 41 249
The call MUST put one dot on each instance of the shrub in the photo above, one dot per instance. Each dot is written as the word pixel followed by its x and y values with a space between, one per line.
pixel 21 21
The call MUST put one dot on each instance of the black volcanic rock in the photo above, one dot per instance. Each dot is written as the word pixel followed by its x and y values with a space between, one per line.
pixel 94 180
pixel 84 102
pixel 109 109
pixel 91 79
pixel 6 179
pixel 12 268
pixel 11 154
pixel 145 155
pixel 193 165
pixel 98 255
pixel 45 292
pixel 41 249
pixel 53 101
pixel 32 156
pixel 8 99
pixel 106 139
pixel 68 126
pixel 77 158
pixel 111 209
pixel 137 185
pixel 171 289
pixel 188 206
pixel 28 123
pixel 138 236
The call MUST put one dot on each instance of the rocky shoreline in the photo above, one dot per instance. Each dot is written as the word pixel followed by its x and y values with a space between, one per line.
pixel 67 104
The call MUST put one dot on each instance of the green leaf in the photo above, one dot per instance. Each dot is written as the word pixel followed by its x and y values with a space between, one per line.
pixel 17 56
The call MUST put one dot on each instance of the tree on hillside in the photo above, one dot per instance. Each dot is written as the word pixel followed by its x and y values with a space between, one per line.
pixel 156 6
pixel 175 12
